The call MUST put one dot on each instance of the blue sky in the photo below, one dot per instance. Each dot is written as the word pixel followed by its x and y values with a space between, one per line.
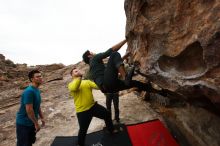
pixel 59 31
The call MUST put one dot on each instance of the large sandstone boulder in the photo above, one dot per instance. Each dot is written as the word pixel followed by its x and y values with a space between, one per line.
pixel 177 44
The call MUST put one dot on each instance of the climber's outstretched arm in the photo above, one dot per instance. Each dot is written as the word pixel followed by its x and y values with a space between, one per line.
pixel 119 45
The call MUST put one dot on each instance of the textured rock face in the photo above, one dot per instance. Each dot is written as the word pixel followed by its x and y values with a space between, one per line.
pixel 177 43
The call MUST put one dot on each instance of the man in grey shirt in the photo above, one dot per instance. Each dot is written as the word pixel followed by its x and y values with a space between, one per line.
pixel 106 77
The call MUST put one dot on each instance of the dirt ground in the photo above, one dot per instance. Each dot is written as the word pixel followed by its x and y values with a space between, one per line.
pixel 61 119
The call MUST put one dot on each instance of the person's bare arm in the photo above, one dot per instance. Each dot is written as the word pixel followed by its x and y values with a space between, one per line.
pixel 31 115
pixel 41 117
pixel 119 45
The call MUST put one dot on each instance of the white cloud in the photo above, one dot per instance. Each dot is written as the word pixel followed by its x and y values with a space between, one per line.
pixel 58 31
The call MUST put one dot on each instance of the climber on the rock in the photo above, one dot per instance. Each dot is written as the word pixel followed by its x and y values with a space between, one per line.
pixel 106 77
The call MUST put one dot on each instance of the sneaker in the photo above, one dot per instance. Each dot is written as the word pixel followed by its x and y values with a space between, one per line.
pixel 116 122
pixel 114 131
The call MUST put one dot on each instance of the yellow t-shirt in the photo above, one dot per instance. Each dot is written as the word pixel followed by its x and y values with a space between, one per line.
pixel 81 91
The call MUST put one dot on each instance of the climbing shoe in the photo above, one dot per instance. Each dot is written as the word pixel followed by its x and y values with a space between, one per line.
pixel 163 92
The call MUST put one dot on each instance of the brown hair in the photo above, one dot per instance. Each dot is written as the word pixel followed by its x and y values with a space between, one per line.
pixel 31 74
pixel 85 57
pixel 74 67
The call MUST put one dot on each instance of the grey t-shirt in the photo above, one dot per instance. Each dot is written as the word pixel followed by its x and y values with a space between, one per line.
pixel 97 67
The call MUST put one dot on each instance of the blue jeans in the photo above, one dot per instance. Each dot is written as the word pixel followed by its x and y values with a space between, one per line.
pixel 26 135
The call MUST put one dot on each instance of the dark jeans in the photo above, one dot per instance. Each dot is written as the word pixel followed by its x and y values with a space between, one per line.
pixel 113 97
pixel 26 135
pixel 111 82
pixel 84 119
